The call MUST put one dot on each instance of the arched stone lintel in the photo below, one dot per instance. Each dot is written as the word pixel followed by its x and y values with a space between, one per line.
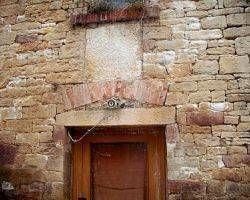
pixel 121 117
pixel 151 91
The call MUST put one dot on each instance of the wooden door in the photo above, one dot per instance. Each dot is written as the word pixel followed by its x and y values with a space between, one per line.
pixel 119 171
pixel 120 164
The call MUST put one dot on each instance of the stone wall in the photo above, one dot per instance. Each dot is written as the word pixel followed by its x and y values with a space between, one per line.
pixel 194 59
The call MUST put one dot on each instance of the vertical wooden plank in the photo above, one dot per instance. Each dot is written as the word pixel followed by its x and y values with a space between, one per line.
pixel 77 170
pixel 86 173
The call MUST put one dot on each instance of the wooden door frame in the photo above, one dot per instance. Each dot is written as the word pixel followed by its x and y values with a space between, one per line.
pixel 154 137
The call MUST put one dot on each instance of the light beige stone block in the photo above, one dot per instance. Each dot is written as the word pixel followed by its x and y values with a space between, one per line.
pixel 214 22
pixel 234 64
pixel 123 117
pixel 242 45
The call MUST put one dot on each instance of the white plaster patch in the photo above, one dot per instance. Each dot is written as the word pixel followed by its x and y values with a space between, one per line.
pixel 114 52
pixel 219 106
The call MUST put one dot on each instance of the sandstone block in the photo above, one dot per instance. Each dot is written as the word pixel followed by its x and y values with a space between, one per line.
pixel 154 71
pixel 231 119
pixel 224 128
pixel 7 38
pixel 172 44
pixel 36 160
pixel 24 26
pixel 200 96
pixel 181 186
pixel 214 22
pixel 172 133
pixel 53 176
pixel 9 10
pixel 242 45
pixel 69 77
pixel 27 138
pixel 40 112
pixel 18 125
pixel 225 11
pixel 55 163
pixel 245 118
pixel 218 96
pixel 227 174
pixel 238 97
pixel 206 67
pixel 216 150
pixel 205 118
pixel 244 126
pixel 7 137
pixel 10 113
pixel 220 50
pixel 176 98
pixel 231 33
pixel 183 87
pixel 237 150
pixel 195 129
pixel 234 64
pixel 237 19
pixel 25 38
pixel 204 34
pixel 216 188
pixel 206 5
pixel 232 161
pixel 232 188
pixel 212 85
pixel 235 3
pixel 158 33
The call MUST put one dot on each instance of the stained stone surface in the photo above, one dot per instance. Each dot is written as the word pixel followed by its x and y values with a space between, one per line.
pixel 114 52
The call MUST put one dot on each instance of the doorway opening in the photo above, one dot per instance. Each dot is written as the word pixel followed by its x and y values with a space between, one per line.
pixel 126 163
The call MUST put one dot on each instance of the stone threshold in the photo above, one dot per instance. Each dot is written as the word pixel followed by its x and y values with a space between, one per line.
pixel 120 15
pixel 121 117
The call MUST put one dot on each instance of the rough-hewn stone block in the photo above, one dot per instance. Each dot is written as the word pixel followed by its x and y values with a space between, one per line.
pixel 200 96
pixel 204 34
pixel 123 117
pixel 234 64
pixel 237 19
pixel 7 38
pixel 212 85
pixel 214 22
pixel 183 87
pixel 231 119
pixel 172 133
pixel 176 98
pixel 242 45
pixel 205 118
pixel 206 67
pixel 235 3
pixel 231 33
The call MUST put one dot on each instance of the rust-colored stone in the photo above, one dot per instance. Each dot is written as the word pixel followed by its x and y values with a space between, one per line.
pixel 116 16
pixel 180 186
pixel 25 38
pixel 7 154
pixel 205 118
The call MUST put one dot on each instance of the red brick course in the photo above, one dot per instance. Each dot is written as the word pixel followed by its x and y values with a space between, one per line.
pixel 145 91
pixel 115 16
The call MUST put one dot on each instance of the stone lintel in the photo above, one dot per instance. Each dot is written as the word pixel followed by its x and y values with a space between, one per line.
pixel 123 117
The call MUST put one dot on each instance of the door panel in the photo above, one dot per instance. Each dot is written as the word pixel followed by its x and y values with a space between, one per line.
pixel 119 171
pixel 137 154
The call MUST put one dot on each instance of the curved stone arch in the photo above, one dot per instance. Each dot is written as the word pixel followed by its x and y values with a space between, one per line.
pixel 151 91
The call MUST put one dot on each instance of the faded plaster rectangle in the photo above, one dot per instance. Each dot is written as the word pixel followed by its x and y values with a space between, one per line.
pixel 114 51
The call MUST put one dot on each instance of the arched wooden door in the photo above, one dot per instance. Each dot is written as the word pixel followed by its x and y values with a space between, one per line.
pixel 120 164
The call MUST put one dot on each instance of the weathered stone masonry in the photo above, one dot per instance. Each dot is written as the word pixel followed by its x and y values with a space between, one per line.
pixel 193 60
